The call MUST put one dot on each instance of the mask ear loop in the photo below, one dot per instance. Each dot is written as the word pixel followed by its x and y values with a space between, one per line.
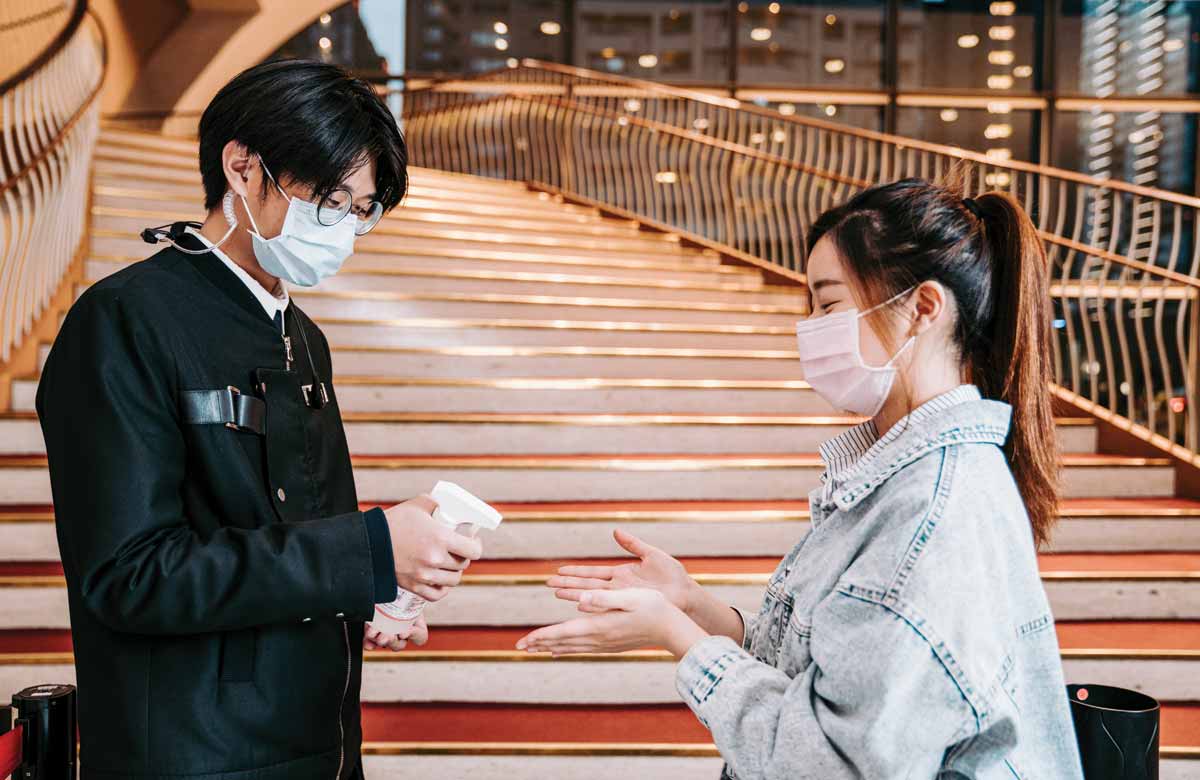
pixel 246 204
pixel 908 343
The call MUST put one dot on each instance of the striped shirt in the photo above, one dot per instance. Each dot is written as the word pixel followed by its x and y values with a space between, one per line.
pixel 857 447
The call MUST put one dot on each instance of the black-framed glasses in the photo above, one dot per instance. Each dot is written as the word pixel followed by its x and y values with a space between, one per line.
pixel 334 207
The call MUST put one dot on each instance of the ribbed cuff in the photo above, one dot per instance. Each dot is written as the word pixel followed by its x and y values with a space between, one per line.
pixel 383 565
pixel 703 669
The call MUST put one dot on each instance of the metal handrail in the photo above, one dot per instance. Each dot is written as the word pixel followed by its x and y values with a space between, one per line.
pixel 1125 258
pixel 49 121
pixel 903 142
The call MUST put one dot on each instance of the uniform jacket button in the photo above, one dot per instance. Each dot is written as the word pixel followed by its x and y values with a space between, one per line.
pixel 306 620
pixel 281 494
pixel 340 615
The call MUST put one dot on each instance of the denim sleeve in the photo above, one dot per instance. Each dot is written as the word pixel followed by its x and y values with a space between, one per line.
pixel 876 701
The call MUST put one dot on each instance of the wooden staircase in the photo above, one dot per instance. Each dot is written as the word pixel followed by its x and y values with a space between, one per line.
pixel 584 373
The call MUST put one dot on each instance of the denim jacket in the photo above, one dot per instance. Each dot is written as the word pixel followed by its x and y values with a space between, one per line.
pixel 907 634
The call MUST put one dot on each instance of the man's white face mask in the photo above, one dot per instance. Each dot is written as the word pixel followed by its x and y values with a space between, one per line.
pixel 305 251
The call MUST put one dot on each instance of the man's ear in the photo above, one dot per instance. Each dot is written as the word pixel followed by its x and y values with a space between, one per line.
pixel 238 164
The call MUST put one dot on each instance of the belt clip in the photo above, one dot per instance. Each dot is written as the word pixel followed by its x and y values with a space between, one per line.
pixel 233 396
pixel 315 400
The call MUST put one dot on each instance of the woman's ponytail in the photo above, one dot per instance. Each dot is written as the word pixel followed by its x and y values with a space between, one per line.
pixel 1012 362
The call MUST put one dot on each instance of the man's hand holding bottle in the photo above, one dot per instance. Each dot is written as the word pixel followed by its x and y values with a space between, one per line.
pixel 430 559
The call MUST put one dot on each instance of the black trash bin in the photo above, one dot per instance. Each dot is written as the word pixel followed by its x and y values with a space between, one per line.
pixel 1117 731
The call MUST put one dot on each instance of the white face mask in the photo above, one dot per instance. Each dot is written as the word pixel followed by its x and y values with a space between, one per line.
pixel 305 251
pixel 833 365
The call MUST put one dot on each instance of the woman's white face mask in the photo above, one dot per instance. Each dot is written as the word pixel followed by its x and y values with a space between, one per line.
pixel 832 361
pixel 305 251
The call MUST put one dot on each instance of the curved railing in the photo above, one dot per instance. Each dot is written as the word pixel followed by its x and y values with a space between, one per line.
pixel 750 180
pixel 49 120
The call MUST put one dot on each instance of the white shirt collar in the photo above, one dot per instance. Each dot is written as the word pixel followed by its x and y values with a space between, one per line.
pixel 271 303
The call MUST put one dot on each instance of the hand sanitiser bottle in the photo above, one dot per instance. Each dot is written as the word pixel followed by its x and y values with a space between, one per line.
pixel 457 509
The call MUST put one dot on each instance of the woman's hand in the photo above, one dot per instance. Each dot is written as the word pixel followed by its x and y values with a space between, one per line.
pixel 655 570
pixel 620 620
pixel 417 633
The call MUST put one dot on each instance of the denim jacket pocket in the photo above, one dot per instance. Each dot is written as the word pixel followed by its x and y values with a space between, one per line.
pixel 795 653
pixel 772 620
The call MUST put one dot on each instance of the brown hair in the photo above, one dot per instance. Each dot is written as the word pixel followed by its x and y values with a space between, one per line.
pixel 988 255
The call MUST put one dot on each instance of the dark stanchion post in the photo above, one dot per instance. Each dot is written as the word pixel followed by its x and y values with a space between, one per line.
pixel 1117 730
pixel 47 715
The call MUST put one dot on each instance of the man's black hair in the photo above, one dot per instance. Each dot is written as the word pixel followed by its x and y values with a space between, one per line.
pixel 311 121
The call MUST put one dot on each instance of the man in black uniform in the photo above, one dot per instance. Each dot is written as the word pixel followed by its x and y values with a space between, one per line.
pixel 219 570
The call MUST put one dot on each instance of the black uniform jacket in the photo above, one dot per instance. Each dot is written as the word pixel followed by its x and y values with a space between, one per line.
pixel 218 579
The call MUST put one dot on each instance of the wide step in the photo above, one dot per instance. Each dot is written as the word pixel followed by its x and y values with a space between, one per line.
pixel 1153 657
pixel 717 528
pixel 664 477
pixel 376 433
pixel 1118 586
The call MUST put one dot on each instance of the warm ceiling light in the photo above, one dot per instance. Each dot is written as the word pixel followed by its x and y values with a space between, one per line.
pixel 773 47
pixel 949 114
pixel 1023 71
pixel 700 123
pixel 999 108
pixel 998 179
pixel 830 19
pixel 998 131
pixel 999 154
pixel 666 177
pixel 326 18
pixel 968 41
pixel 757 138
pixel 550 28
pixel 633 105
pixel 787 109
pixel 325 43
pixel 1002 32
pixel 760 34
pixel 778 136
pixel 835 65
pixel 513 62
pixel 1172 44
pixel 608 53
pixel 501 44
pixel 999 82
pixel 648 60
pixel 830 110
pixel 773 8
pixel 1001 57
pixel 743 8
pixel 1002 9
pixel 500 27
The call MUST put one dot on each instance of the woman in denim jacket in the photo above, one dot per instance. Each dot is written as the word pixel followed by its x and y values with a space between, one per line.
pixel 907 634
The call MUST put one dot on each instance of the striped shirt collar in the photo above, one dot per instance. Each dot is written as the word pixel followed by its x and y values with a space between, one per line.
pixel 856 447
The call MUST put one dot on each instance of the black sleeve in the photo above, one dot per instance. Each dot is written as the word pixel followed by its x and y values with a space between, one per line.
pixel 382 561
pixel 107 404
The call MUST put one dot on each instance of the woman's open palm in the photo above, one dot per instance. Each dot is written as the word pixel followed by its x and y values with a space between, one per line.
pixel 654 569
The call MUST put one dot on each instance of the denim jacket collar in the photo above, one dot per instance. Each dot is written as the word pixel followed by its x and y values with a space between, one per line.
pixel 976 420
